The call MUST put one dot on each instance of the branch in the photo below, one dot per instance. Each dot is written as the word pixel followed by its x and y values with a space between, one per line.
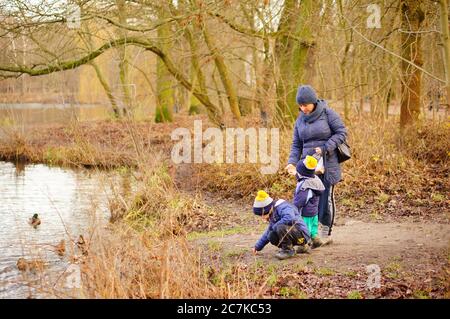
pixel 115 43
pixel 131 28
pixel 74 63
pixel 394 54
pixel 259 34
pixel 419 32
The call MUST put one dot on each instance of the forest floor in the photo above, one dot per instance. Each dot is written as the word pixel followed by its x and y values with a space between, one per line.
pixel 412 260
pixel 412 256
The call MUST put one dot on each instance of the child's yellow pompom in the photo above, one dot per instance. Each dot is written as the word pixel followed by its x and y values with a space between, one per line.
pixel 262 195
pixel 310 162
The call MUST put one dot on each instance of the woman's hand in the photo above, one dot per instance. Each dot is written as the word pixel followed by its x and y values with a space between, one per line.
pixel 291 169
pixel 254 251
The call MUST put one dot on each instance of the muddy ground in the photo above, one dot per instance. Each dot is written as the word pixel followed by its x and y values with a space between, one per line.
pixel 412 259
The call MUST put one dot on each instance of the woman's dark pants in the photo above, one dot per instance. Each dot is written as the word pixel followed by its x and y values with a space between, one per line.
pixel 327 206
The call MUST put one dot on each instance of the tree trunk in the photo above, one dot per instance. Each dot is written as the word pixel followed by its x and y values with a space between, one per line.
pixel 343 63
pixel 256 81
pixel 100 76
pixel 164 81
pixel 446 43
pixel 292 55
pixel 412 18
pixel 179 76
pixel 224 74
pixel 107 89
pixel 220 97
pixel 123 64
pixel 214 113
pixel 266 106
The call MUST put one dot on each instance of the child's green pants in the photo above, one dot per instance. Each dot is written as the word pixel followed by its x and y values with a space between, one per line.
pixel 313 225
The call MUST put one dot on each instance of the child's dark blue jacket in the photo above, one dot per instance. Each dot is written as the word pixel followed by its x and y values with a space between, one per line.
pixel 284 213
pixel 307 195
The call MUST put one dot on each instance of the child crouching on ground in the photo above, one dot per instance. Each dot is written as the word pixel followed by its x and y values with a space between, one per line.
pixel 307 194
pixel 286 228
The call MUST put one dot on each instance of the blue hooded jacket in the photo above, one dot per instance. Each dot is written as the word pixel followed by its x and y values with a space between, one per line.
pixel 307 195
pixel 321 128
pixel 287 214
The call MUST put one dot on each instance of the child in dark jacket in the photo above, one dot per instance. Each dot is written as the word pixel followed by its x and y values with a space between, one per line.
pixel 286 227
pixel 307 194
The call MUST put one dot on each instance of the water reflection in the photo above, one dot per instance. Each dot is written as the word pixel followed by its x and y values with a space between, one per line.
pixel 20 168
pixel 68 202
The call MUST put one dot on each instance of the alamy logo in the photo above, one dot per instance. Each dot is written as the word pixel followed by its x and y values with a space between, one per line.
pixel 374 278
pixel 374 19
pixel 233 140
pixel 73 16
pixel 73 277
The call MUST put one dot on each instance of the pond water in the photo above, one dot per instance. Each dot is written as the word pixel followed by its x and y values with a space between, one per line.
pixel 69 203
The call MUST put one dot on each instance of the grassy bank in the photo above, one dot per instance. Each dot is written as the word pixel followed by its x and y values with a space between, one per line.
pixel 102 144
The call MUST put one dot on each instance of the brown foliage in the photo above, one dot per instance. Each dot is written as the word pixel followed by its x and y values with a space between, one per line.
pixel 389 174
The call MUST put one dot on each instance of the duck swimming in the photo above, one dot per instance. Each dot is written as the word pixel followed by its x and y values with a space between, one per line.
pixel 81 243
pixel 35 220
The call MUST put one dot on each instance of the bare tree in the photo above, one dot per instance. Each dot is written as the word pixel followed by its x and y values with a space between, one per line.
pixel 445 36
pixel 207 47
pixel 412 18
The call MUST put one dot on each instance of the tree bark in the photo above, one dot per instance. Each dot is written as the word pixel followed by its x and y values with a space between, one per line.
pixel 224 74
pixel 107 89
pixel 164 83
pixel 446 44
pixel 266 106
pixel 213 112
pixel 343 63
pixel 292 55
pixel 123 64
pixel 103 81
pixel 262 67
pixel 412 18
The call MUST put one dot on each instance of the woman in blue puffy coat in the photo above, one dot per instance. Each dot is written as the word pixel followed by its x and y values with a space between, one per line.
pixel 318 129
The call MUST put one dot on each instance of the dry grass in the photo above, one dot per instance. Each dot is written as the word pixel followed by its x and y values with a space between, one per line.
pixel 146 253
pixel 103 144
pixel 390 173
pixel 127 264
pixel 123 263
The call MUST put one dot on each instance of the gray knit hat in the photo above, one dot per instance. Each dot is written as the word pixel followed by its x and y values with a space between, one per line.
pixel 306 95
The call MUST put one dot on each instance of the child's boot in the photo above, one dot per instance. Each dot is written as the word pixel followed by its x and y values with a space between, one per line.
pixel 303 249
pixel 316 242
pixel 325 237
pixel 285 253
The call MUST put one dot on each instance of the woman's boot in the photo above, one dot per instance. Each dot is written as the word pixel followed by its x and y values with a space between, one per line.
pixel 324 235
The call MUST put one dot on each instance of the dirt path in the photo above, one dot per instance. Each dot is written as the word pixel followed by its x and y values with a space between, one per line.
pixel 357 244
pixel 413 257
